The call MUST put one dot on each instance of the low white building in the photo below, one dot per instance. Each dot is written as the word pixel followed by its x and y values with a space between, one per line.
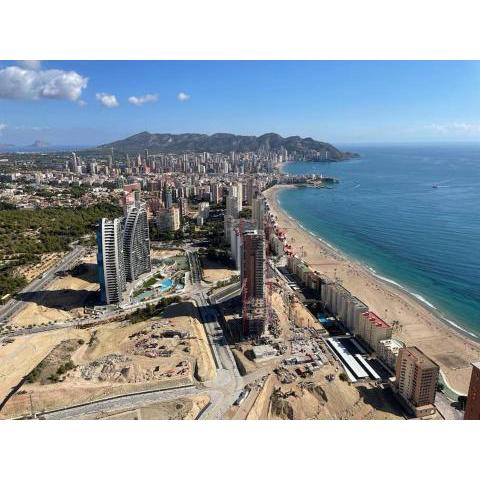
pixel 387 351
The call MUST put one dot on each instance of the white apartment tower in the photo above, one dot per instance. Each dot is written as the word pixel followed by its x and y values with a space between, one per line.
pixel 110 260
pixel 136 242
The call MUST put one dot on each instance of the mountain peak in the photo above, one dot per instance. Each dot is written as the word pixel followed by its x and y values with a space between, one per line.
pixel 223 142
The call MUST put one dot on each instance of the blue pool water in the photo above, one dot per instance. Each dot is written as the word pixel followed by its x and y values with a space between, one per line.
pixel 166 284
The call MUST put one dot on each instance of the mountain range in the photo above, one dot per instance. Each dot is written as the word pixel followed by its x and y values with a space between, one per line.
pixel 225 143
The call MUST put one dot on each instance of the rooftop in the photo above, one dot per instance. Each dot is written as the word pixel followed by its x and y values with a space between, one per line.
pixel 420 357
pixel 375 319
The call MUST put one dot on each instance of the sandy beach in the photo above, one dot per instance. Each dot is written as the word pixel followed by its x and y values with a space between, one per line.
pixel 418 325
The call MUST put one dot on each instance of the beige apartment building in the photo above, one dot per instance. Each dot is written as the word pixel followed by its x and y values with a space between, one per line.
pixel 416 380
pixel 168 219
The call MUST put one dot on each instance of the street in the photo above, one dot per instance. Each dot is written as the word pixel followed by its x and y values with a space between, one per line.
pixel 13 306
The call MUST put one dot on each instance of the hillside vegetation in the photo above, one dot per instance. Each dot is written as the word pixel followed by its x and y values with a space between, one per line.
pixel 223 143
pixel 25 234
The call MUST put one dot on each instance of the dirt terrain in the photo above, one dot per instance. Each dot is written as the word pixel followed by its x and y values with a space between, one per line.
pixel 214 271
pixel 48 260
pixel 82 365
pixel 287 393
pixel 19 358
pixel 63 299
pixel 317 398
pixel 160 253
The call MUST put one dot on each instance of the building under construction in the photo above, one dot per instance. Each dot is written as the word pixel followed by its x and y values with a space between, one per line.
pixel 253 283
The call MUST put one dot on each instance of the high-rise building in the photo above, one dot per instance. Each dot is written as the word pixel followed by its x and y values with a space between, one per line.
pixel 136 245
pixel 240 195
pixel 232 207
pixel 110 260
pixel 416 380
pixel 168 219
pixel 92 167
pixel 252 275
pixel 250 191
pixel 371 328
pixel 472 409
pixel 204 210
pixel 168 198
pixel 258 212
pixel 183 206
pixel 228 222
pixel 216 196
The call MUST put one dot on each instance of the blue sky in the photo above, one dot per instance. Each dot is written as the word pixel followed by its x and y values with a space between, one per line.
pixel 87 102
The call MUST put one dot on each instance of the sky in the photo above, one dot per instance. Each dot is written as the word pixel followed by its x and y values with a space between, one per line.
pixel 94 102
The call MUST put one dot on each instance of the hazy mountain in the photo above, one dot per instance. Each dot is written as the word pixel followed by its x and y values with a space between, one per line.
pixel 223 143
pixel 39 144
pixel 6 146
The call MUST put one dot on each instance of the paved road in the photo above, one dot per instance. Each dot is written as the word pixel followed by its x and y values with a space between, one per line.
pixel 444 406
pixel 228 381
pixel 68 261
pixel 195 266
pixel 227 293
pixel 130 401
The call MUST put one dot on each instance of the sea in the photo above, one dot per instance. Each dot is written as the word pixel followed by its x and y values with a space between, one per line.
pixel 410 214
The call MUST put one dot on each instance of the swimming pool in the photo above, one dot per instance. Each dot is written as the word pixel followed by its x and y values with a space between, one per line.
pixel 165 284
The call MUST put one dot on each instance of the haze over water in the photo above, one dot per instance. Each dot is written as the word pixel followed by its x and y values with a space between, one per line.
pixel 385 213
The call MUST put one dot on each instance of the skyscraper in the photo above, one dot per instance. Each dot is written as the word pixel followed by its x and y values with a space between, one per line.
pixel 416 380
pixel 168 198
pixel 168 219
pixel 253 282
pixel 110 260
pixel 472 409
pixel 240 195
pixel 183 206
pixel 232 207
pixel 258 212
pixel 216 193
pixel 136 244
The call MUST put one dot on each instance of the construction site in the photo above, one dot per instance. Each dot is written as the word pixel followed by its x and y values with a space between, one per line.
pixel 85 365
pixel 279 339
pixel 271 343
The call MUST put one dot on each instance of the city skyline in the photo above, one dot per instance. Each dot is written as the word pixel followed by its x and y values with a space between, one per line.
pixel 87 103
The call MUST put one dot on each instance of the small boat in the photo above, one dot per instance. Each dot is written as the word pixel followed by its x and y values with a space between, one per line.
pixel 434 186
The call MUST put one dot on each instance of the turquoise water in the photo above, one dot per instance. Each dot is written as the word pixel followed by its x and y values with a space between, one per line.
pixel 385 213
pixel 166 284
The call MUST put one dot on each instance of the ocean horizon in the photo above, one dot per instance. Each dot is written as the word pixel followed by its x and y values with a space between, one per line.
pixel 410 214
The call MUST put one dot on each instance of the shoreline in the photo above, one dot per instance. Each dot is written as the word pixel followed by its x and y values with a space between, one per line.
pixel 420 323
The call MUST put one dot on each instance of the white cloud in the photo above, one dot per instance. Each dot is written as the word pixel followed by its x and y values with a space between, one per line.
pixel 183 97
pixel 3 126
pixel 107 100
pixel 24 84
pixel 30 64
pixel 36 129
pixel 148 98
pixel 454 128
